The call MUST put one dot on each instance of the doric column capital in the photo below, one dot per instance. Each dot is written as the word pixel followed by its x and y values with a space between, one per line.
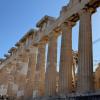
pixel 41 45
pixel 53 35
pixel 67 24
pixel 84 11
pixel 33 50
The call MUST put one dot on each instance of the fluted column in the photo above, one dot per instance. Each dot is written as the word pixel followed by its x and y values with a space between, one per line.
pixel 40 70
pixel 85 69
pixel 65 72
pixel 30 74
pixel 51 66
pixel 14 85
pixel 22 68
pixel 10 90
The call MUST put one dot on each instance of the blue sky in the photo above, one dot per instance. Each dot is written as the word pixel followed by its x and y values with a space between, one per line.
pixel 18 16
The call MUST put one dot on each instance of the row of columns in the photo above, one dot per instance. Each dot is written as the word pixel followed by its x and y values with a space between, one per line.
pixel 85 54
pixel 19 77
pixel 45 82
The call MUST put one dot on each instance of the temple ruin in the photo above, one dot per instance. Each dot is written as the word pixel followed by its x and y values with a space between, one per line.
pixel 25 74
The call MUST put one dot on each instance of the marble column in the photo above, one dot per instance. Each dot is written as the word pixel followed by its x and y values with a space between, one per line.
pixel 31 74
pixel 85 69
pixel 22 68
pixel 65 72
pixel 51 72
pixel 40 70
pixel 10 90
pixel 15 87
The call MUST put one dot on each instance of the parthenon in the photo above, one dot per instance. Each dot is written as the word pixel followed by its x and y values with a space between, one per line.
pixel 25 74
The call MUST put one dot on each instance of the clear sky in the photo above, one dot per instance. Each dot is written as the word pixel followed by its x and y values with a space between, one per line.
pixel 18 16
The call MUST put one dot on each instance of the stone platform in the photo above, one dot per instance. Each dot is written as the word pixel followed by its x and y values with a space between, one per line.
pixel 77 97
